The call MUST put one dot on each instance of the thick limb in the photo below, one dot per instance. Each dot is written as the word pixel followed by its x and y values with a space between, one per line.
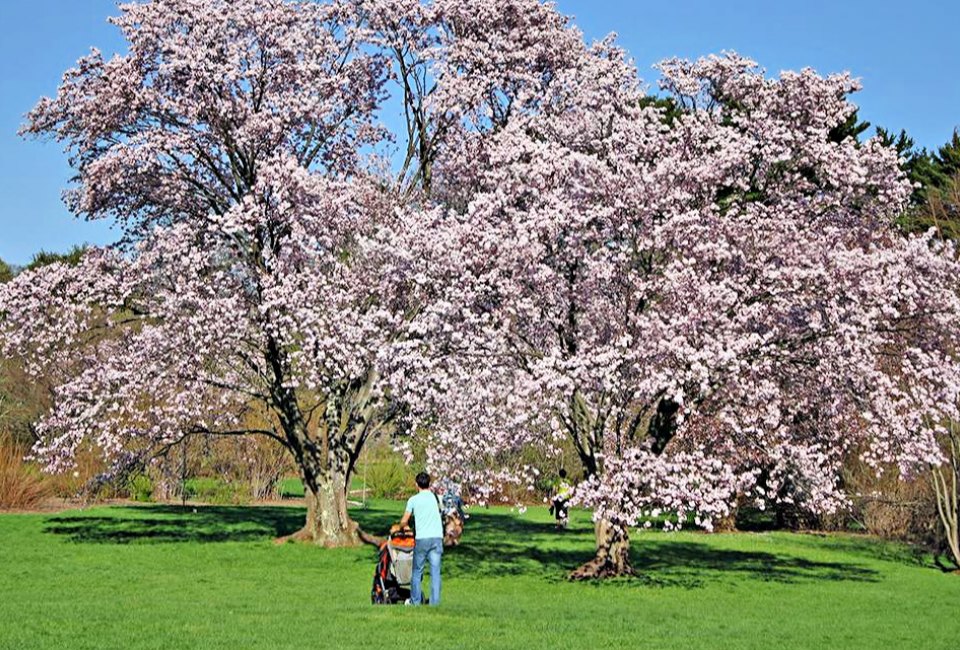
pixel 613 554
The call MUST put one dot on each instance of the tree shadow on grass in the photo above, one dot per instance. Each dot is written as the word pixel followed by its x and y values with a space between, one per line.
pixel 173 524
pixel 200 524
pixel 494 545
pixel 692 564
pixel 500 544
pixel 866 546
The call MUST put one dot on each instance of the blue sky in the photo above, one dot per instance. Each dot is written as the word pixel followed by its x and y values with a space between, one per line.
pixel 906 53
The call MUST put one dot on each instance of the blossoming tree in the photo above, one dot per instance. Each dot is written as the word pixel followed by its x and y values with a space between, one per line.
pixel 226 146
pixel 233 148
pixel 231 145
pixel 709 302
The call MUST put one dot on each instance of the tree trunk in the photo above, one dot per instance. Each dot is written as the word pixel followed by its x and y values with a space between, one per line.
pixel 328 522
pixel 728 524
pixel 946 483
pixel 324 452
pixel 324 475
pixel 613 554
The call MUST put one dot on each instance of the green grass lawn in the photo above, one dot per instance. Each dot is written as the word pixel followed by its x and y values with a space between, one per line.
pixel 291 488
pixel 160 577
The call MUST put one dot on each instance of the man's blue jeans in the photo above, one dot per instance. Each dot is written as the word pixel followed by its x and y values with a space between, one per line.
pixel 426 549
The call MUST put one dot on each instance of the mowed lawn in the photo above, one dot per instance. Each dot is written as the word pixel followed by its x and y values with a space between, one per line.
pixel 163 577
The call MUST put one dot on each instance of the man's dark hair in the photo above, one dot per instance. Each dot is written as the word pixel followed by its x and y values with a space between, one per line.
pixel 423 480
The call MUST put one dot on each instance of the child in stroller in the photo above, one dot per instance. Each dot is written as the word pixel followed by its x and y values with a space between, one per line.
pixel 391 581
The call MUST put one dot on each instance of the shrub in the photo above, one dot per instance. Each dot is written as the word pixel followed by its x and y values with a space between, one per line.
pixel 141 488
pixel 21 485
pixel 252 465
pixel 887 505
pixel 216 491
pixel 388 478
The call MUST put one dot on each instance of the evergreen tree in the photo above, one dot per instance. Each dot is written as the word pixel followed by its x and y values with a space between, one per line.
pixel 937 197
pixel 6 273
pixel 852 127
pixel 45 258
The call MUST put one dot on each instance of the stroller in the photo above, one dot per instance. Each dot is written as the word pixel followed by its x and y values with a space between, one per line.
pixel 391 581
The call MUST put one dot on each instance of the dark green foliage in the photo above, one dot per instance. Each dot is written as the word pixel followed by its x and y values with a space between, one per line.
pixel 936 201
pixel 44 258
pixel 948 156
pixel 937 170
pixel 902 142
pixel 921 166
pixel 6 273
pixel 913 161
pixel 924 169
pixel 671 111
pixel 933 171
pixel 851 128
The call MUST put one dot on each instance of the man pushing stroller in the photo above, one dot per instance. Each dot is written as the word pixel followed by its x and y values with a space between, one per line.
pixel 425 510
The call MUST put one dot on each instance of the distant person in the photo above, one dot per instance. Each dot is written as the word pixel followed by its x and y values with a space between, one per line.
pixel 561 496
pixel 451 507
pixel 428 526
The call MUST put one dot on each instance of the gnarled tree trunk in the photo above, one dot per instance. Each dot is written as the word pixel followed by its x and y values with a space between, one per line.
pixel 612 540
pixel 324 473
pixel 328 522
pixel 324 461
pixel 613 554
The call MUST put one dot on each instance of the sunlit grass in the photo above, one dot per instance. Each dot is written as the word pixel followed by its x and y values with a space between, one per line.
pixel 211 577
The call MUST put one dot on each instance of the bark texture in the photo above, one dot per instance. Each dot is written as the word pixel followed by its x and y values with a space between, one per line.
pixel 613 554
pixel 328 522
